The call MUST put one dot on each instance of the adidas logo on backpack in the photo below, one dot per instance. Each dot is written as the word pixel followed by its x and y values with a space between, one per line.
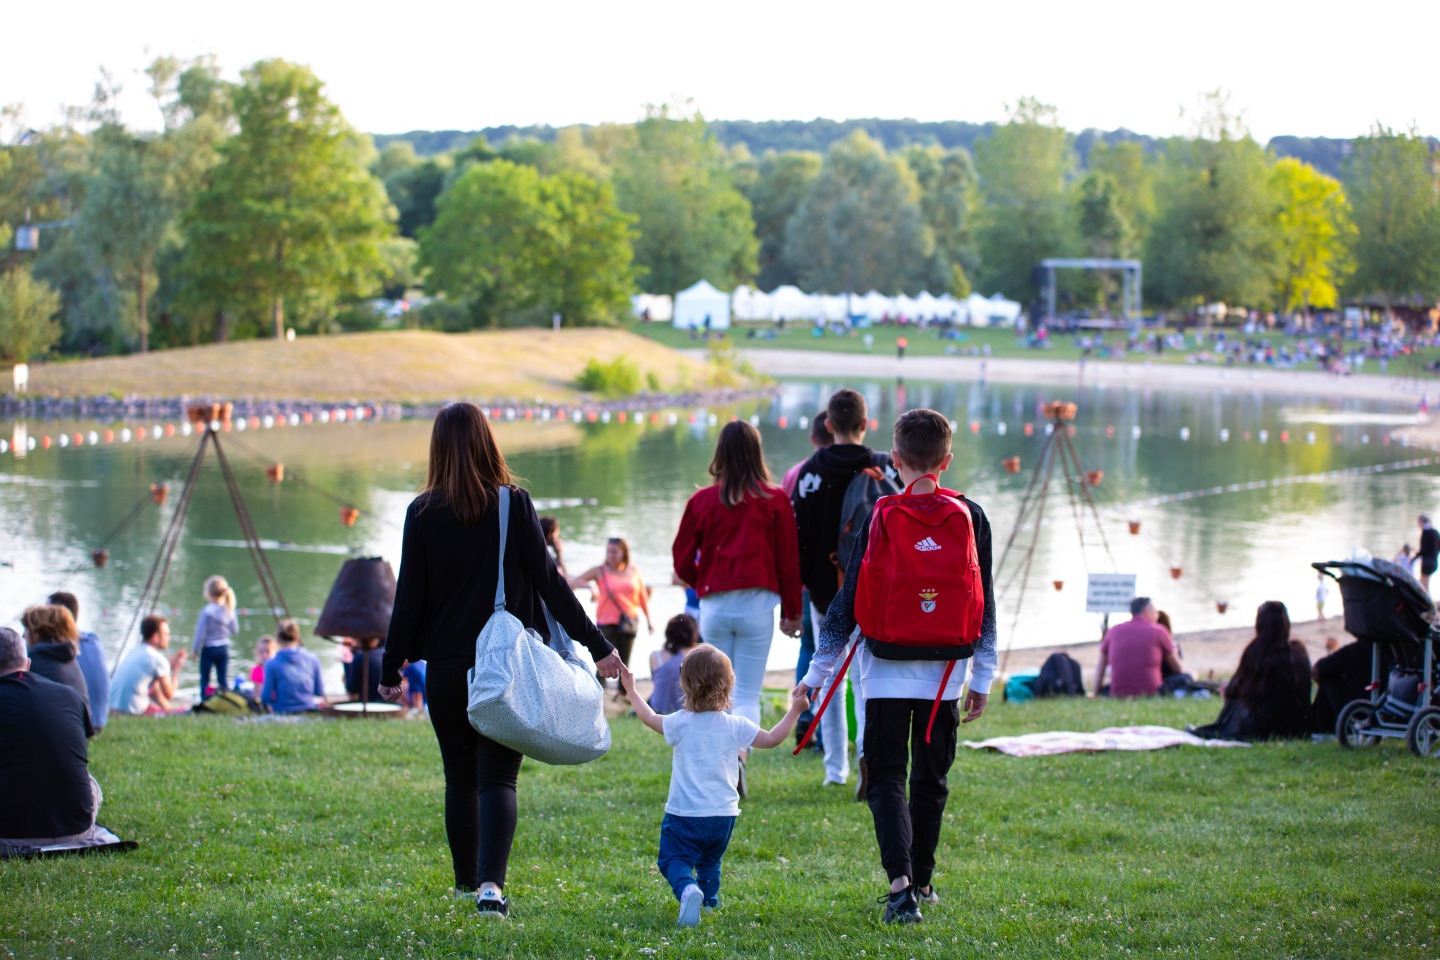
pixel 926 545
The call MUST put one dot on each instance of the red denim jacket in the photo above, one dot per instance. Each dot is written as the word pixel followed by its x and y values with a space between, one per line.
pixel 753 544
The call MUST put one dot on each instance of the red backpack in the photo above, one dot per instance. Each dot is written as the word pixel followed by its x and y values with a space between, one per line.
pixel 919 594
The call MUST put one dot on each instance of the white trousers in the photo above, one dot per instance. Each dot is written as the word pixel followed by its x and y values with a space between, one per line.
pixel 741 625
pixel 835 724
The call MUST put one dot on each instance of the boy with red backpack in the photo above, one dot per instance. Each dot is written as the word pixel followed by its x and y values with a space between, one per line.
pixel 920 592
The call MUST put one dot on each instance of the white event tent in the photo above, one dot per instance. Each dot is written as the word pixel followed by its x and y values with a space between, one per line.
pixel 791 303
pixel 992 311
pixel 659 306
pixel 694 305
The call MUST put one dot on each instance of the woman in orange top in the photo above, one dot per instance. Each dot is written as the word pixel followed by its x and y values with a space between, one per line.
pixel 623 596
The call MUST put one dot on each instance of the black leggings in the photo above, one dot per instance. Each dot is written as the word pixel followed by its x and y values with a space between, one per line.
pixel 480 777
pixel 908 831
pixel 622 642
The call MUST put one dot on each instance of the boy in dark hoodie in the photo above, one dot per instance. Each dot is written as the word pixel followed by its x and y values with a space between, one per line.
pixel 818 499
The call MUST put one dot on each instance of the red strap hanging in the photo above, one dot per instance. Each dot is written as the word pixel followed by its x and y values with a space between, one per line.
pixel 815 721
pixel 935 708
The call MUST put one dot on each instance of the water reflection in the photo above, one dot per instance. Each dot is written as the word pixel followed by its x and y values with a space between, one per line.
pixel 633 479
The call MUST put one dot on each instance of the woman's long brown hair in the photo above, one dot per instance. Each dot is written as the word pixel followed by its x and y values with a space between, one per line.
pixel 739 464
pixel 466 465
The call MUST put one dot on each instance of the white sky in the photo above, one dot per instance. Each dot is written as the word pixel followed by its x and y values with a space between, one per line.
pixel 1315 69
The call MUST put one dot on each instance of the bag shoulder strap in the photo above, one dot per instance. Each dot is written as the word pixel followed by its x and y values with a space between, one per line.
pixel 504 531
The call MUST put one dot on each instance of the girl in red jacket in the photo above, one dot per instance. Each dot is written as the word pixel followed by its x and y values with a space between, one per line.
pixel 737 547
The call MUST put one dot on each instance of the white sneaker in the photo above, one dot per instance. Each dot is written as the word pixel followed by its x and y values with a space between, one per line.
pixel 492 904
pixel 690 902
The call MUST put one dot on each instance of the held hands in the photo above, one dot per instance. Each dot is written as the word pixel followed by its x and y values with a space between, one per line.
pixel 390 694
pixel 807 692
pixel 627 680
pixel 609 667
pixel 799 699
pixel 974 705
pixel 790 626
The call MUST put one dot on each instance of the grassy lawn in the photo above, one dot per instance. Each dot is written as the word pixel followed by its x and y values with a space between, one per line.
pixel 324 839
pixel 926 343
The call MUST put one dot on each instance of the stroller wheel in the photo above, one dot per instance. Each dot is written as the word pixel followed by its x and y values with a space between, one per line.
pixel 1354 723
pixel 1423 735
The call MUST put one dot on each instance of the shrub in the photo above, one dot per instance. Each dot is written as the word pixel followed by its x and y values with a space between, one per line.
pixel 618 378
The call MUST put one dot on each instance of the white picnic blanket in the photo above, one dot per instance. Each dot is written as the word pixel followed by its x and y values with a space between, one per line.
pixel 1111 738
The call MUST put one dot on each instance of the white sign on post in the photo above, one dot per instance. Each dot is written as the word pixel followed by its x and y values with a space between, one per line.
pixel 21 374
pixel 1109 592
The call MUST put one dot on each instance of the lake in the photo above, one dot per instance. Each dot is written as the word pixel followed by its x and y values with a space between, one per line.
pixel 1239 490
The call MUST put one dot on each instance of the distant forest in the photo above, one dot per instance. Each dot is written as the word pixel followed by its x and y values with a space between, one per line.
pixel 1325 154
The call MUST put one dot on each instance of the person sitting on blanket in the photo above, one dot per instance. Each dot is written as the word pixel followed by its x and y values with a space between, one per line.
pixel 50 797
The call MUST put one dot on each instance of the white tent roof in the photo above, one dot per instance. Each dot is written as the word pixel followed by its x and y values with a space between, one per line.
pixel 874 305
pixel 747 303
pixel 833 307
pixel 792 303
pixel 694 304
pixel 660 306
pixel 985 311
pixel 906 306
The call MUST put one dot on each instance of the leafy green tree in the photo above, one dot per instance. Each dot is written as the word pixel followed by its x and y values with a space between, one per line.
pixel 28 312
pixel 1025 168
pixel 860 226
pixel 1213 238
pixel 1392 186
pixel 590 260
pixel 1313 232
pixel 516 247
pixel 291 216
pixel 1104 231
pixel 948 199
pixel 780 183
pixel 693 224
pixel 1132 185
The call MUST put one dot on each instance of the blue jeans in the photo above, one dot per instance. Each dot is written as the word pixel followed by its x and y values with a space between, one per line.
pixel 807 650
pixel 690 852
pixel 215 658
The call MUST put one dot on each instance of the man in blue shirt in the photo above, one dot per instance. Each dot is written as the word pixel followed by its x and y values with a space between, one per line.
pixel 92 663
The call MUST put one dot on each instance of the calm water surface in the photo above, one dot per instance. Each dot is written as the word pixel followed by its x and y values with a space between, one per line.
pixel 1243 547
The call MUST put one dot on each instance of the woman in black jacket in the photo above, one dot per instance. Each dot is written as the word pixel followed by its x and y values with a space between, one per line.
pixel 54 644
pixel 1269 696
pixel 444 595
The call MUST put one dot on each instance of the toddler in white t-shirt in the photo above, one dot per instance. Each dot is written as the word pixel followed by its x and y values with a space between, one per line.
pixel 704 801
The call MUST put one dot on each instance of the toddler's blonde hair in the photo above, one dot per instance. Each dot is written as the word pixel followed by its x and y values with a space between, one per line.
pixel 707 679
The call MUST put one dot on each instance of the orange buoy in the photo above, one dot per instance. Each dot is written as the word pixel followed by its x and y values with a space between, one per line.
pixel 1060 410
pixel 1093 477
pixel 1134 527
pixel 782 423
pixel 1221 606
pixel 1175 572
pixel 874 424
pixel 1029 429
pixel 348 516
pixel 100 557
pixel 1059 584
pixel 159 492
pixel 275 472
pixel 1110 431
pixel 1011 464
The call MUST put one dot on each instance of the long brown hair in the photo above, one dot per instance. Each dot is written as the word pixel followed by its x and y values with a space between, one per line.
pixel 466 465
pixel 1266 666
pixel 739 464
pixel 51 623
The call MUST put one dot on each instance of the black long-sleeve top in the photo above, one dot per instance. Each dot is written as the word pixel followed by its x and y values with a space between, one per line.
pixel 446 588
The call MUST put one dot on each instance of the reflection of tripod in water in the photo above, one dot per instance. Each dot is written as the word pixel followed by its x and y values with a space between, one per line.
pixel 209 419
pixel 1059 447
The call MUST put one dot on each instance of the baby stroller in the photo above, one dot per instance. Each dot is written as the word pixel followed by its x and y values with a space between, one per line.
pixel 1387 606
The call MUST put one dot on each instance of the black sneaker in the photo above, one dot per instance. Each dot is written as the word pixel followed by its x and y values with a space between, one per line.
pixel 492 906
pixel 901 907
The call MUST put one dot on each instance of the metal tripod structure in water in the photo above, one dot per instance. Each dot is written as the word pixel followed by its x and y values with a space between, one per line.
pixel 1059 448
pixel 160 570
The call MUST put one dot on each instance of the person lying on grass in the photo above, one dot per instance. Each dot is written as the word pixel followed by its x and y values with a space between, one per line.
pixel 704 802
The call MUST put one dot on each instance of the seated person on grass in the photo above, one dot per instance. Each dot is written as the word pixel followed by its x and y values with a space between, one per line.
pixel 1138 653
pixel 92 662
pixel 49 795
pixel 145 681
pixel 292 677
pixel 55 646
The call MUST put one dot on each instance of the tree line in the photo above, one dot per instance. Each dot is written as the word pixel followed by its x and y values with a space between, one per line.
pixel 256 207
